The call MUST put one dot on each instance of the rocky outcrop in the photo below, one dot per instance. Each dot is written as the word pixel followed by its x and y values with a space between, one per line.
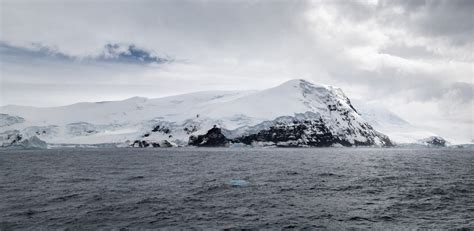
pixel 144 144
pixel 213 138
pixel 434 141
pixel 31 143
pixel 13 139
pixel 312 130
pixel 294 133
pixel 10 137
pixel 152 144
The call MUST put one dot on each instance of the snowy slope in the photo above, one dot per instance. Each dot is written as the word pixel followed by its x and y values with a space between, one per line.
pixel 176 118
pixel 300 98
pixel 130 110
pixel 387 122
pixel 114 121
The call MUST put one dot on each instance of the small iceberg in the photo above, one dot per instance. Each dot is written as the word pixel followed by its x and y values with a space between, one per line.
pixel 239 183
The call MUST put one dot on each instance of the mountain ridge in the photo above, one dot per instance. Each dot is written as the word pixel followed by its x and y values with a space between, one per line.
pixel 194 114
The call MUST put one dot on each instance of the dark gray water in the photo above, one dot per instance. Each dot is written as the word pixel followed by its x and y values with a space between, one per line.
pixel 192 188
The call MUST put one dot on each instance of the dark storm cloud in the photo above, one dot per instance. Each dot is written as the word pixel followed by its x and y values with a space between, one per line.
pixel 353 10
pixel 409 52
pixel 38 52
pixel 450 19
pixel 459 93
pixel 112 53
pixel 130 54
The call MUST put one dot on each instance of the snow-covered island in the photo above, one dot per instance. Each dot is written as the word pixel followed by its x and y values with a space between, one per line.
pixel 296 113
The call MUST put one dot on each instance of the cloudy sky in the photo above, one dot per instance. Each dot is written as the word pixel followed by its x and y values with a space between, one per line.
pixel 414 57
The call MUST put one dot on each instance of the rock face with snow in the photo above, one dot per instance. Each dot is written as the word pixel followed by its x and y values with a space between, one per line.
pixel 323 116
pixel 10 137
pixel 13 139
pixel 434 141
pixel 31 143
pixel 295 113
pixel 294 132
pixel 328 118
pixel 152 144
pixel 213 138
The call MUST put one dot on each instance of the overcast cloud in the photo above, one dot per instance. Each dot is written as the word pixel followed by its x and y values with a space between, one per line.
pixel 414 57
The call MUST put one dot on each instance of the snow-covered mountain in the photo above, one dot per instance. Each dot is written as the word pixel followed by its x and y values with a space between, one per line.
pixel 295 113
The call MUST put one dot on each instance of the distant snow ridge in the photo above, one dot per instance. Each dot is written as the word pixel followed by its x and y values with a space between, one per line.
pixel 296 113
pixel 7 120
pixel 387 122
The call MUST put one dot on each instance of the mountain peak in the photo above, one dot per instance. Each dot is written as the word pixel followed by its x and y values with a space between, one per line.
pixel 296 82
pixel 301 83
pixel 301 88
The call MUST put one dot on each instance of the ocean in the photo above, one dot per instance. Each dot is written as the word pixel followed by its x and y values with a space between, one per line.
pixel 219 188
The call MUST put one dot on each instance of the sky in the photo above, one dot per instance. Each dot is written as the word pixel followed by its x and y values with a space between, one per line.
pixel 414 57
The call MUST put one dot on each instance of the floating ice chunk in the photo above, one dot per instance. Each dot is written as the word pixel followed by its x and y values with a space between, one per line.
pixel 239 183
pixel 238 145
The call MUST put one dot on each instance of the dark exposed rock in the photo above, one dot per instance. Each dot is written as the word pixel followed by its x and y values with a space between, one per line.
pixel 312 133
pixel 162 129
pixel 11 137
pixel 152 144
pixel 144 144
pixel 16 138
pixel 190 129
pixel 293 133
pixel 40 133
pixel 213 138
